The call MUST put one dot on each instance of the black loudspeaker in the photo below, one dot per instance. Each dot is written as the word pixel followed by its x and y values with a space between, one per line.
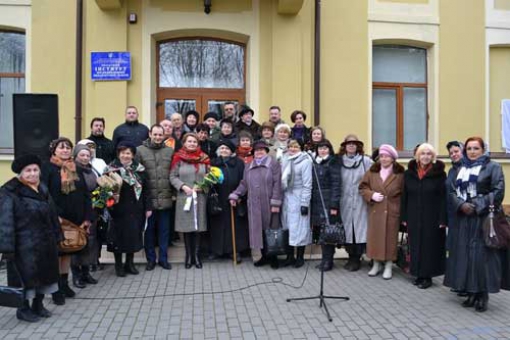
pixel 35 123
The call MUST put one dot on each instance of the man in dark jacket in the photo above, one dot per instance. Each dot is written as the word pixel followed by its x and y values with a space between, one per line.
pixel 156 157
pixel 131 130
pixel 105 149
pixel 247 123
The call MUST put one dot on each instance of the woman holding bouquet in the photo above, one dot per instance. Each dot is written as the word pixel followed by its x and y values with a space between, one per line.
pixel 232 168
pixel 189 166
pixel 128 216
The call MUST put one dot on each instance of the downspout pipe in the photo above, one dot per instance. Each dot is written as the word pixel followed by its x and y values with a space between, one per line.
pixel 317 65
pixel 78 70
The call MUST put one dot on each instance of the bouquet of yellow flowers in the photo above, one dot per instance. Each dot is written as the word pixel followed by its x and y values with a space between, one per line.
pixel 214 176
pixel 107 192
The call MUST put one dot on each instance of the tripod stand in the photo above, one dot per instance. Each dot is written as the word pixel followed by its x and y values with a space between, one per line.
pixel 322 298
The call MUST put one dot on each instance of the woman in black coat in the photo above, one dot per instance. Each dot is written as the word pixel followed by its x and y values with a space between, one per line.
pixel 472 267
pixel 68 190
pixel 220 225
pixel 328 172
pixel 423 211
pixel 29 232
pixel 128 216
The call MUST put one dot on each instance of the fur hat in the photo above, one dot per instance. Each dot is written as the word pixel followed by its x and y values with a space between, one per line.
pixel 22 161
pixel 227 143
pixel 211 114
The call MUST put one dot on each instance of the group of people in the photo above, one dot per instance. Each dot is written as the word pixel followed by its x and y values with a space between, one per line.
pixel 273 175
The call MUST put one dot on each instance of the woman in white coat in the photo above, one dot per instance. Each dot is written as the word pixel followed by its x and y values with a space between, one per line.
pixel 297 193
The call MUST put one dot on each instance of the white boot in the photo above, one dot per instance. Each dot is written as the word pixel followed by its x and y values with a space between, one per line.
pixel 375 269
pixel 387 270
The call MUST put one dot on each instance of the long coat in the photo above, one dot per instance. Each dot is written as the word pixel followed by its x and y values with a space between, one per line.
pixel 298 194
pixel 262 183
pixel 29 229
pixel 423 207
pixel 330 181
pixel 220 225
pixel 384 216
pixel 353 208
pixel 125 233
pixel 186 174
pixel 471 266
pixel 156 159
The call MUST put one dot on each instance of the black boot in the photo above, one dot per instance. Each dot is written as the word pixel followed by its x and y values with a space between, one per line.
pixel 119 268
pixel 86 277
pixel 482 302
pixel 470 301
pixel 129 267
pixel 58 297
pixel 187 246
pixel 38 307
pixel 290 260
pixel 68 292
pixel 261 262
pixel 26 314
pixel 198 260
pixel 354 263
pixel 328 251
pixel 300 258
pixel 77 277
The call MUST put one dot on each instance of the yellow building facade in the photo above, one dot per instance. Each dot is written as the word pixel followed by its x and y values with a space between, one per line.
pixel 464 70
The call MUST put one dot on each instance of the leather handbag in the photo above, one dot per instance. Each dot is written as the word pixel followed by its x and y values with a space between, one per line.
pixel 75 237
pixel 12 296
pixel 333 234
pixel 214 207
pixel 276 238
pixel 404 253
pixel 496 229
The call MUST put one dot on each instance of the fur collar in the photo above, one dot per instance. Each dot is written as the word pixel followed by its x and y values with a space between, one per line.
pixel 436 170
pixel 397 168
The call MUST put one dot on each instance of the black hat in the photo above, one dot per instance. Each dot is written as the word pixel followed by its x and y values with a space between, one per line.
pixel 211 114
pixel 260 144
pixel 192 112
pixel 227 143
pixel 22 161
pixel 126 145
pixel 246 109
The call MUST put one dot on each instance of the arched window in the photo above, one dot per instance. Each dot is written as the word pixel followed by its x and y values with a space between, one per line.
pixel 12 80
pixel 399 96
pixel 200 74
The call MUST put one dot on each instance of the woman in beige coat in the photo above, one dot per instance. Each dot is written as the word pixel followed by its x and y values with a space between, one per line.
pixel 381 188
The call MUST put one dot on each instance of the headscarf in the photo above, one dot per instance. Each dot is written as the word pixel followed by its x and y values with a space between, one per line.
pixel 130 174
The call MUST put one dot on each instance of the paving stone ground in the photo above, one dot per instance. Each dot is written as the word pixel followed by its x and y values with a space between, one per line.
pixel 146 307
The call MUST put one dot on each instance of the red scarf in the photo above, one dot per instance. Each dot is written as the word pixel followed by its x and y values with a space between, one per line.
pixel 196 158
pixel 423 171
pixel 245 153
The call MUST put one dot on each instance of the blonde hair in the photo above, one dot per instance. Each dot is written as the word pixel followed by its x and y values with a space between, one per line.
pixel 423 147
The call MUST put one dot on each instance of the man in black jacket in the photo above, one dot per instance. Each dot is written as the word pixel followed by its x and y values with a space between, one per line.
pixel 131 130
pixel 104 146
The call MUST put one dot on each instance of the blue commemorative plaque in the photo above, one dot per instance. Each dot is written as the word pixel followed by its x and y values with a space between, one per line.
pixel 111 65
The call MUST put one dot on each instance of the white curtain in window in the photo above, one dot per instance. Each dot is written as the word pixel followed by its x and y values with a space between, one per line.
pixel 399 64
pixel 415 117
pixel 384 124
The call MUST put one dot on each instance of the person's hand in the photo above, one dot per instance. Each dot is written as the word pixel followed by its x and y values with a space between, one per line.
pixel 467 208
pixel 116 198
pixel 187 190
pixel 304 211
pixel 148 214
pixel 377 197
pixel 275 210
pixel 233 203
pixel 333 212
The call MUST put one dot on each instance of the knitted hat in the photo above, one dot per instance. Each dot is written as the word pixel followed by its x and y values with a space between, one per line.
pixel 386 149
pixel 227 143
pixel 211 114
pixel 80 147
pixel 22 161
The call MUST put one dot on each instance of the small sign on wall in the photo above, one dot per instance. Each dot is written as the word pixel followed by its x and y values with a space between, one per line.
pixel 110 66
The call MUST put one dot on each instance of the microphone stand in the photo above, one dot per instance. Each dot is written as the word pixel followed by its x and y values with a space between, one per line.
pixel 322 298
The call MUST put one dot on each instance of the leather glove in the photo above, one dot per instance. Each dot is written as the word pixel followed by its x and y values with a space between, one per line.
pixel 467 208
pixel 304 211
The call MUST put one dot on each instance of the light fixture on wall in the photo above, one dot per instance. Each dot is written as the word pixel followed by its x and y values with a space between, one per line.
pixel 132 18
pixel 207 6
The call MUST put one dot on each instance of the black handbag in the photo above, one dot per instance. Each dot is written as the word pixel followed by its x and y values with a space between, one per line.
pixel 333 234
pixel 404 253
pixel 12 296
pixel 276 239
pixel 213 203
pixel 496 229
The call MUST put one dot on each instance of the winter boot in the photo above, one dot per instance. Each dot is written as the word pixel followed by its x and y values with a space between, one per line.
pixel 26 314
pixel 58 297
pixel 38 307
pixel 129 266
pixel 300 258
pixel 77 277
pixel 376 268
pixel 119 269
pixel 328 252
pixel 290 260
pixel 387 270
pixel 86 277
pixel 68 292
pixel 482 302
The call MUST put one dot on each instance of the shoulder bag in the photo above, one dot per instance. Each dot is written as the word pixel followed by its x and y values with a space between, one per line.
pixel 75 237
pixel 496 230
pixel 276 238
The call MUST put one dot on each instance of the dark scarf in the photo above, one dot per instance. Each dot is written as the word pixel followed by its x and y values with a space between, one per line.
pixel 196 158
pixel 467 176
pixel 131 174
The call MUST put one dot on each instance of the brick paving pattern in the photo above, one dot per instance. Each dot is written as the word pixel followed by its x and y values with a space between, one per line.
pixel 378 309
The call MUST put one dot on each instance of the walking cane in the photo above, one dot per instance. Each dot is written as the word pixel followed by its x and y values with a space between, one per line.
pixel 232 224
